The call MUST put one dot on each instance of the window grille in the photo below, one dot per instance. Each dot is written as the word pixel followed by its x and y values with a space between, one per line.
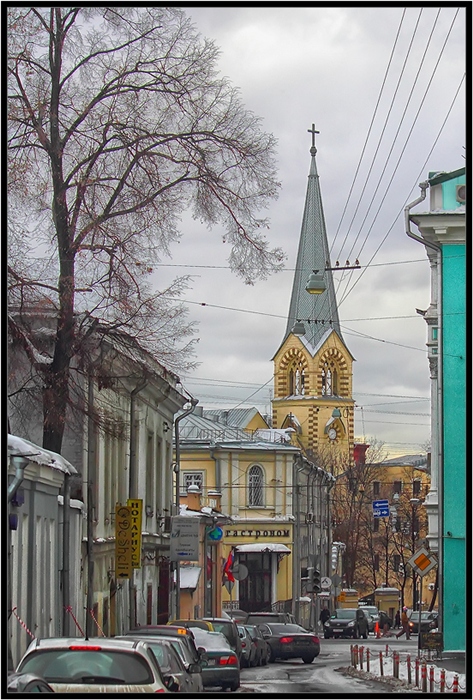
pixel 193 479
pixel 255 486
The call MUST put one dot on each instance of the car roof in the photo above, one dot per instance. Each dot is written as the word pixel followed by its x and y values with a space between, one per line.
pixel 218 619
pixel 158 630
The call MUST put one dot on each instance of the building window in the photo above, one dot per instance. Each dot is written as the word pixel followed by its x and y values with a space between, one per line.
pixel 297 380
pixel 255 486
pixel 329 380
pixel 193 479
pixel 397 487
pixel 435 332
pixel 416 487
pixel 396 562
pixel 376 488
pixel 376 562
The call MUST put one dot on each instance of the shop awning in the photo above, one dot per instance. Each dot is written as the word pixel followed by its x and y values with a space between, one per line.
pixel 263 547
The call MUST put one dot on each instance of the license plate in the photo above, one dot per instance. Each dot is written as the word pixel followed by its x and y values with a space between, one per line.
pixel 212 662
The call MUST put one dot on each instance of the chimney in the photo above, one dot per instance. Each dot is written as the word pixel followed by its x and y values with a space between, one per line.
pixel 193 497
pixel 214 499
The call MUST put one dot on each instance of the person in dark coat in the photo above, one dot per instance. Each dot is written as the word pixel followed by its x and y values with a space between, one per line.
pixel 397 620
pixel 384 622
pixel 324 615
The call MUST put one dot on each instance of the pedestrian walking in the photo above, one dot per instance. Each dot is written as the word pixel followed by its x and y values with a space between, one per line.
pixel 397 620
pixel 324 615
pixel 405 624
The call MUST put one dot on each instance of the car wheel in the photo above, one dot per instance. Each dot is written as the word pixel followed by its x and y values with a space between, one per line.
pixel 355 634
pixel 234 686
pixel 308 659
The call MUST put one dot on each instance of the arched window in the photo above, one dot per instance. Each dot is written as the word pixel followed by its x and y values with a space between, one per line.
pixel 255 486
pixel 329 379
pixel 297 380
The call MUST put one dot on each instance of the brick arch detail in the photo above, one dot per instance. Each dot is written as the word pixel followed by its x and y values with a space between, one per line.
pixel 290 356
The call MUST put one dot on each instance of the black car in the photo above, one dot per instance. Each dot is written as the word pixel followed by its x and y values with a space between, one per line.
pixel 27 683
pixel 287 641
pixel 347 622
pixel 428 621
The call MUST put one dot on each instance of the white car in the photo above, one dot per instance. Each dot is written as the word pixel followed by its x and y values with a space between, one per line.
pixel 97 665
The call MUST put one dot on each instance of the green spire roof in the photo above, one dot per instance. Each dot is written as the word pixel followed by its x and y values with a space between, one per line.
pixel 318 312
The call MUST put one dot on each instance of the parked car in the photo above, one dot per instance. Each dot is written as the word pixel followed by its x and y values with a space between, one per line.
pixel 347 622
pixel 182 639
pixel 203 624
pixel 230 629
pixel 373 612
pixel 288 641
pixel 256 618
pixel 248 648
pixel 263 650
pixel 96 665
pixel 428 621
pixel 27 683
pixel 170 663
pixel 223 666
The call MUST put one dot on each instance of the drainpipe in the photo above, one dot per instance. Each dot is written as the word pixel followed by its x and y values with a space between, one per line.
pixel 133 490
pixel 66 528
pixel 20 464
pixel 177 470
pixel 91 483
pixel 440 475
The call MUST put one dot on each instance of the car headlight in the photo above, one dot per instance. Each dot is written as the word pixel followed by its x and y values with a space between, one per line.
pixel 351 624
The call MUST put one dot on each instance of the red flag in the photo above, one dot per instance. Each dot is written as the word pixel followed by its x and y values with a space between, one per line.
pixel 227 567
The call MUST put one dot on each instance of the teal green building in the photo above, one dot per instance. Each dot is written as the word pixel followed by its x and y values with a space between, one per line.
pixel 443 233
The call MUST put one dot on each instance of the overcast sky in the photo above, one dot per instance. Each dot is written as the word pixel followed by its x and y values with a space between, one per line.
pixel 296 66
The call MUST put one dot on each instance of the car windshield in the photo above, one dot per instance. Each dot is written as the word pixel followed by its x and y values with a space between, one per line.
pixel 281 628
pixel 344 613
pixel 372 610
pixel 212 641
pixel 84 666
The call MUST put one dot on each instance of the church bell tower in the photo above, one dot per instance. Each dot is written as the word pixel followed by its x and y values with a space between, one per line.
pixel 313 366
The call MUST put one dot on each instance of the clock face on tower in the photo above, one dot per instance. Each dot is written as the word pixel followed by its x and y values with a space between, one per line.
pixel 332 433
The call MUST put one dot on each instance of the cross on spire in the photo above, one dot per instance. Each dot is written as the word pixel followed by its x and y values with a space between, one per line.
pixel 313 132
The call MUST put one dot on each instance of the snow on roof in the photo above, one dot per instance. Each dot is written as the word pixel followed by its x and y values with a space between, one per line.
pixel 38 455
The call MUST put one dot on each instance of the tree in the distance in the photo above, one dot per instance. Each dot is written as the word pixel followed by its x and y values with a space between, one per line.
pixel 117 123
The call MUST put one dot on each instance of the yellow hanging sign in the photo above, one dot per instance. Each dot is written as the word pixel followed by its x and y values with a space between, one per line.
pixel 136 512
pixel 123 542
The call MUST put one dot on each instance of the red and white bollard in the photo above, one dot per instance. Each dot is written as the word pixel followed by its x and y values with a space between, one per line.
pixel 409 669
pixel 424 677
pixel 431 679
pixel 455 684
pixel 355 656
pixel 361 656
pixel 442 680
pixel 417 671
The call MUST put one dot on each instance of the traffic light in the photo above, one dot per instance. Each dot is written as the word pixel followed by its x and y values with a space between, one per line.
pixel 313 580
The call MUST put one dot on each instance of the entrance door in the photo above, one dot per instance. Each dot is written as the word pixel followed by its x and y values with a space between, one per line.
pixel 255 589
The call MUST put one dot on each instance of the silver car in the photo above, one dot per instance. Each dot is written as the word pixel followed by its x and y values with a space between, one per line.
pixel 96 665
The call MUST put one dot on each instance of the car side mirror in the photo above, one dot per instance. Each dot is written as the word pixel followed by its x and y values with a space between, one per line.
pixel 172 683
pixel 194 668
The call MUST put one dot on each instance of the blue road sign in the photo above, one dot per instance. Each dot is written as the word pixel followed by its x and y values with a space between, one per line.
pixel 381 512
pixel 383 503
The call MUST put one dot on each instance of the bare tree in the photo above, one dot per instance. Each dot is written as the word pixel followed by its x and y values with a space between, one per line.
pixel 117 123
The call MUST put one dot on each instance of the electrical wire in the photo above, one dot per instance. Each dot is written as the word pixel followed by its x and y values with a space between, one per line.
pixel 421 171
